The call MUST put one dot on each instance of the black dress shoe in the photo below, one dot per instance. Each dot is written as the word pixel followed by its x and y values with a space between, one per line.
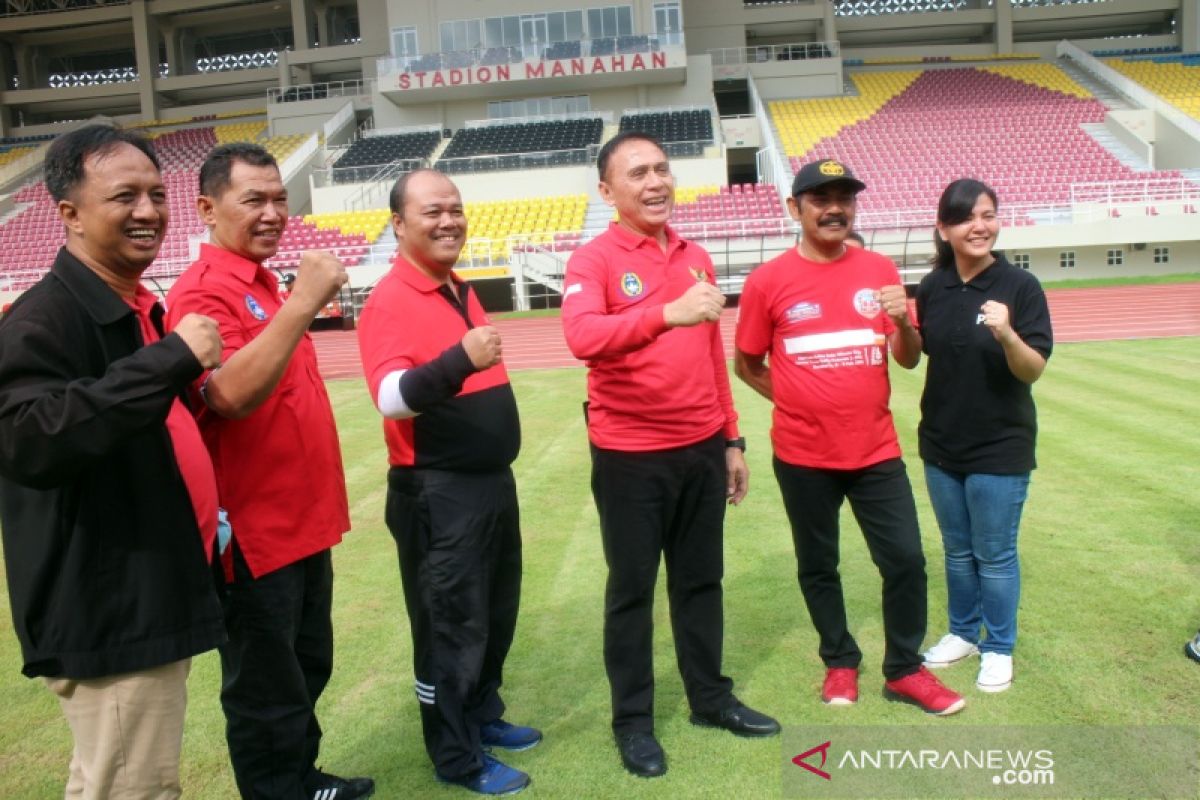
pixel 641 754
pixel 739 720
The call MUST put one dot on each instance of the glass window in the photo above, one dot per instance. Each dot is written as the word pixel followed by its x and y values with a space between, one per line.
pixel 1116 258
pixel 1021 260
pixel 1162 255
pixel 574 25
pixel 493 32
pixel 1066 259
pixel 404 42
pixel 447 31
pixel 512 31
pixel 624 20
pixel 556 26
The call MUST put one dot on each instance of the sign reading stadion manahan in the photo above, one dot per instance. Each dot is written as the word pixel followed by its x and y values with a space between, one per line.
pixel 531 70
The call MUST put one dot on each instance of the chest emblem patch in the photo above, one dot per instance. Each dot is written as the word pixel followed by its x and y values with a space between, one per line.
pixel 802 311
pixel 255 309
pixel 699 274
pixel 631 284
pixel 866 302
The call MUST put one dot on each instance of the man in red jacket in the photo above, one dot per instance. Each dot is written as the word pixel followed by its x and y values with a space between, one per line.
pixel 640 306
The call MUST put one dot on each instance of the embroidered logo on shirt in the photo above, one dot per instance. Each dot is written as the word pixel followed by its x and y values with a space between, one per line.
pixel 866 302
pixel 802 311
pixel 699 274
pixel 631 284
pixel 256 310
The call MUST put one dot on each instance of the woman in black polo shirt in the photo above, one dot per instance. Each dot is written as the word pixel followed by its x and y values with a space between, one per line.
pixel 986 330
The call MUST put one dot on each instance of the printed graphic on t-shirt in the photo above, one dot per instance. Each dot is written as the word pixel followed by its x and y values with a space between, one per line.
pixel 856 347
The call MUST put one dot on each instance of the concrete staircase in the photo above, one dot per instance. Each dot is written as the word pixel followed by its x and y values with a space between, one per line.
pixel 1105 138
pixel 1110 97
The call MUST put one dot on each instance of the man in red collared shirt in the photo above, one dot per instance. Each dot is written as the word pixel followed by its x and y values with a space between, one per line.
pixel 433 367
pixel 267 422
pixel 640 306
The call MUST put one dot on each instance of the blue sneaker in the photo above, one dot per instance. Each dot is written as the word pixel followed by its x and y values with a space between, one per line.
pixel 494 778
pixel 507 736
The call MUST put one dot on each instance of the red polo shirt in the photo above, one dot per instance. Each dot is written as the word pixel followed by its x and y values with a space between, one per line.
pixel 649 387
pixel 826 335
pixel 194 464
pixel 279 470
pixel 408 322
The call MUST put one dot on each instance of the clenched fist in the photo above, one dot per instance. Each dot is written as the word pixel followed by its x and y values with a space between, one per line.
pixel 319 278
pixel 702 302
pixel 482 346
pixel 895 304
pixel 203 338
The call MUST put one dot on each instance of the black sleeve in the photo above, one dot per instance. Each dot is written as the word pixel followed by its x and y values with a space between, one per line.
pixel 55 423
pixel 439 380
pixel 1031 318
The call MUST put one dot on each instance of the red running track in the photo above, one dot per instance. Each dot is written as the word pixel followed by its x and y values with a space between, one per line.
pixel 1079 315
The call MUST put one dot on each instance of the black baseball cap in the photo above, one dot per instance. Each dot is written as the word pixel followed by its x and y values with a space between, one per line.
pixel 819 173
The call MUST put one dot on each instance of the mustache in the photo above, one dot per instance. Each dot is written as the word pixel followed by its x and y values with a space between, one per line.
pixel 833 219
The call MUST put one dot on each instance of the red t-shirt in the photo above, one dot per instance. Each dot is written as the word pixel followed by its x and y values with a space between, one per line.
pixel 826 336
pixel 649 387
pixel 194 464
pixel 279 470
pixel 406 323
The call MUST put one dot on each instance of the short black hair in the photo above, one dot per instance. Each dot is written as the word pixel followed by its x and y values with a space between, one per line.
pixel 216 170
pixel 612 144
pixel 400 191
pixel 63 166
pixel 955 205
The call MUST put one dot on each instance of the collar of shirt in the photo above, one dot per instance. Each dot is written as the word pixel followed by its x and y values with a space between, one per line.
pixel 414 277
pixel 632 241
pixel 982 282
pixel 243 269
pixel 99 300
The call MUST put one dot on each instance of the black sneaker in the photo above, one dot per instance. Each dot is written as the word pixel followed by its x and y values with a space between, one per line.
pixel 330 787
pixel 1192 648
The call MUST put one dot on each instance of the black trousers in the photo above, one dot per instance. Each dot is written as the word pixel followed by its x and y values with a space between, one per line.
pixel 458 537
pixel 669 502
pixel 882 501
pixel 273 669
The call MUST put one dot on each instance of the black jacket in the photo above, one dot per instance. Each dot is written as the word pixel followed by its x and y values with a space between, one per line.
pixel 106 568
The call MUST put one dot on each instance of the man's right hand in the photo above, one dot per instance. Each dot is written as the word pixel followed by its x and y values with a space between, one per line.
pixel 319 278
pixel 483 346
pixel 203 338
pixel 702 302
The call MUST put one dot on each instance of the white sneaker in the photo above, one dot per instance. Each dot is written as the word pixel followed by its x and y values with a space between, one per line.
pixel 950 650
pixel 995 672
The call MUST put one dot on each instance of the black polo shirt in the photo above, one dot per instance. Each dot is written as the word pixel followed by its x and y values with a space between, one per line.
pixel 976 416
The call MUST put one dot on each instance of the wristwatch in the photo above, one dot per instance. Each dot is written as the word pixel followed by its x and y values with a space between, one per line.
pixel 739 443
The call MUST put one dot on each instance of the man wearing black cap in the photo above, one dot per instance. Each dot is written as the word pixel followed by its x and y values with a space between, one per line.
pixel 828 314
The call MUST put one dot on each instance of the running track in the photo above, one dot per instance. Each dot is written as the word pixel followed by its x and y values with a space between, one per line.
pixel 1079 315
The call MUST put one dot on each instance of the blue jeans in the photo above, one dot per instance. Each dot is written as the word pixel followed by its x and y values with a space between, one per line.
pixel 979 515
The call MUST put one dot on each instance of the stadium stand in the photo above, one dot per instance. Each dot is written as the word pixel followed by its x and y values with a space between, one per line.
pixel 366 155
pixel 537 219
pixel 1174 78
pixel 368 224
pixel 301 235
pixel 484 148
pixel 1023 138
pixel 735 210
pixel 685 132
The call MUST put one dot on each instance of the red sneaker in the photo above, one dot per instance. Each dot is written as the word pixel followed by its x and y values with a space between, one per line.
pixel 841 686
pixel 922 689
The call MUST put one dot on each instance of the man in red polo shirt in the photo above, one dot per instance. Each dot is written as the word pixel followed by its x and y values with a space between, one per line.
pixel 827 315
pixel 433 367
pixel 269 427
pixel 640 306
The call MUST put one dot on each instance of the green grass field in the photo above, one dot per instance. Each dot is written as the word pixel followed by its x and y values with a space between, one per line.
pixel 1111 561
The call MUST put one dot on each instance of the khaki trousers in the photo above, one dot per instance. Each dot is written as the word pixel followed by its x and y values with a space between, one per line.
pixel 128 730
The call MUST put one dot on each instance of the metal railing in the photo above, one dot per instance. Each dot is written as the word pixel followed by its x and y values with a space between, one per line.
pixel 334 176
pixel 765 53
pixel 318 91
pixel 519 161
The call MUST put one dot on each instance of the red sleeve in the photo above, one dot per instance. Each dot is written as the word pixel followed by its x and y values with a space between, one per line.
pixel 385 341
pixel 754 334
pixel 591 332
pixel 193 298
pixel 720 366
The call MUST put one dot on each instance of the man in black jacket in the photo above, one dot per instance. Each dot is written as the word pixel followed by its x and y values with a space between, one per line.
pixel 107 496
